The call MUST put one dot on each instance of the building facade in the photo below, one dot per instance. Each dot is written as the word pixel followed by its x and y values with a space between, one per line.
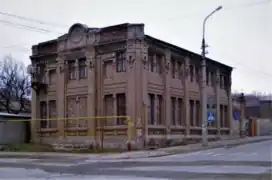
pixel 90 73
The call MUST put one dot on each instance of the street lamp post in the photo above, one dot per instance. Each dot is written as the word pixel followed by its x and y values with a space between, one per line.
pixel 204 94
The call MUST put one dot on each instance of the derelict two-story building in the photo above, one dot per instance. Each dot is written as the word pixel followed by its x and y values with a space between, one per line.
pixel 89 74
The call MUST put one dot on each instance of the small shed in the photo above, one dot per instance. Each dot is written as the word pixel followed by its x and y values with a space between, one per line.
pixel 14 128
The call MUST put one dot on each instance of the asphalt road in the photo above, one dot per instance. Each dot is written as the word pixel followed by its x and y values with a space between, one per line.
pixel 246 162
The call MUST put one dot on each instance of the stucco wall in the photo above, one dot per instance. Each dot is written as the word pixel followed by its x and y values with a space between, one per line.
pixel 12 132
pixel 264 127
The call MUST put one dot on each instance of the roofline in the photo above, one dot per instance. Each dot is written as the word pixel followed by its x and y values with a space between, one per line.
pixel 187 52
pixel 46 42
pixel 3 114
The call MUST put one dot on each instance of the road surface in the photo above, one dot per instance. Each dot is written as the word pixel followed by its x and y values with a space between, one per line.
pixel 246 162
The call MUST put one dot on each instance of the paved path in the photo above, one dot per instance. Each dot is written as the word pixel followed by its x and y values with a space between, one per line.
pixel 246 162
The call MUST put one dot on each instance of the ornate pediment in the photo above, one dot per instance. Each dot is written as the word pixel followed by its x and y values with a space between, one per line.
pixel 77 32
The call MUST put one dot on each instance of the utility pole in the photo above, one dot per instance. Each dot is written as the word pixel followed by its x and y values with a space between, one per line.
pixel 203 82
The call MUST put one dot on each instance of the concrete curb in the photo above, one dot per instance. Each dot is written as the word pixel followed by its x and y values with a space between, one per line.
pixel 138 154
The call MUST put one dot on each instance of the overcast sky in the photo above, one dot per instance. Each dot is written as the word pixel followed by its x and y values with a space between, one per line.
pixel 240 35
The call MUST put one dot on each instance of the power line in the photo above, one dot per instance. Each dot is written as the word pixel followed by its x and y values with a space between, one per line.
pixel 246 5
pixel 258 71
pixel 27 27
pixel 31 19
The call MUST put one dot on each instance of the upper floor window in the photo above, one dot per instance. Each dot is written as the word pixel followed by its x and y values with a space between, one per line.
pixel 82 68
pixel 179 67
pixel 151 63
pixel 52 76
pixel 121 62
pixel 212 74
pixel 207 77
pixel 158 63
pixel 155 63
pixel 72 70
pixel 198 74
pixel 191 69
pixel 173 68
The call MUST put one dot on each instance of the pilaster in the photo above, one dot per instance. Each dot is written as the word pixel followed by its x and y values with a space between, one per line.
pixel 91 99
pixel 230 109
pixel 132 54
pixel 217 95
pixel 61 94
pixel 143 69
pixel 35 115
pixel 186 106
pixel 167 93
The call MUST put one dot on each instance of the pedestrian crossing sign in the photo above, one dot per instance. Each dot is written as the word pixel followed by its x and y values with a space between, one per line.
pixel 211 116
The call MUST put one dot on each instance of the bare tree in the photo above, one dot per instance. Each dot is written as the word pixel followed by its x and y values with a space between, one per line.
pixel 15 86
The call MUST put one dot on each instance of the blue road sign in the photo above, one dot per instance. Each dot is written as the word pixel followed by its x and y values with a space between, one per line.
pixel 235 115
pixel 211 116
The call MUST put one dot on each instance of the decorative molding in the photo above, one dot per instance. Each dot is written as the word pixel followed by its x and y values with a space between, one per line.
pixel 144 60
pixel 217 80
pixel 167 64
pixel 186 71
pixel 91 63
pixel 62 66
pixel 131 60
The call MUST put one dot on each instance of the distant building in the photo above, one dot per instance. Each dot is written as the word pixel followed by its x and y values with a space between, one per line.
pixel 257 106
pixel 119 70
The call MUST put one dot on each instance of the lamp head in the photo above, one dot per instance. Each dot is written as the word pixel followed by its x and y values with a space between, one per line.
pixel 219 8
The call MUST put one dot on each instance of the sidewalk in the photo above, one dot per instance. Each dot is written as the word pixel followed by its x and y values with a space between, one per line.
pixel 136 154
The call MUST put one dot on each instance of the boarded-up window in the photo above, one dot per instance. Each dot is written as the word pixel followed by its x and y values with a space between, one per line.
pixel 179 112
pixel 82 108
pixel 191 112
pixel 71 112
pixel 71 70
pixel 197 74
pixel 151 109
pixel 173 110
pixel 179 68
pixel 109 111
pixel 212 78
pixel 108 70
pixel 150 61
pixel 198 119
pixel 173 68
pixel 159 63
pixel 226 117
pixel 121 62
pixel 121 108
pixel 43 114
pixel 52 77
pixel 222 124
pixel 82 68
pixel 160 109
pixel 191 71
pixel 52 114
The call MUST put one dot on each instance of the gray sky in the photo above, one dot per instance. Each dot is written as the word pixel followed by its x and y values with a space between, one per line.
pixel 240 35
